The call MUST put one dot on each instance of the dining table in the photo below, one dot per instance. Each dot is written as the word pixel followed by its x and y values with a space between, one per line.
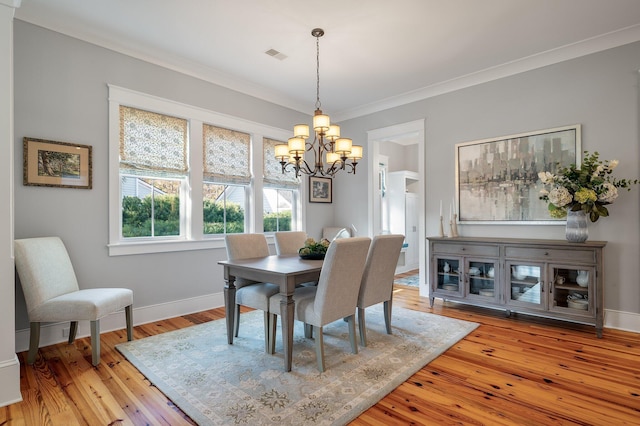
pixel 286 271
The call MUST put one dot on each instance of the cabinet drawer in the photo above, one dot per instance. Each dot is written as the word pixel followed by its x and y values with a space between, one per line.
pixel 465 249
pixel 550 254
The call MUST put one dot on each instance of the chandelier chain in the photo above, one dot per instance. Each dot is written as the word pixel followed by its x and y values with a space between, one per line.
pixel 318 104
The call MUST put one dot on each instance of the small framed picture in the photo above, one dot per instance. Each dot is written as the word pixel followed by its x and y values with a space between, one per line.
pixel 320 189
pixel 61 164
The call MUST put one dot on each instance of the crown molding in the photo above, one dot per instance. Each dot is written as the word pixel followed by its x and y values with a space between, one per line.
pixel 575 50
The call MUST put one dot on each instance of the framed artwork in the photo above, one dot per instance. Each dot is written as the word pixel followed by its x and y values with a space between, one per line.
pixel 320 189
pixel 61 164
pixel 497 179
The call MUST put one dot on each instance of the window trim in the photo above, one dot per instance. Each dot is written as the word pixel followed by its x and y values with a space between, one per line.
pixel 193 237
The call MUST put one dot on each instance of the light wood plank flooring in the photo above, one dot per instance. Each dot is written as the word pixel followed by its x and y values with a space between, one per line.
pixel 509 371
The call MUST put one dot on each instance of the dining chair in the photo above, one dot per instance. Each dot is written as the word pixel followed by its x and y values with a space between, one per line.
pixel 52 293
pixel 334 298
pixel 377 279
pixel 252 294
pixel 289 242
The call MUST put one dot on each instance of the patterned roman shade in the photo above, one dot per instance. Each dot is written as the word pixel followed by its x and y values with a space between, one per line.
pixel 151 142
pixel 226 156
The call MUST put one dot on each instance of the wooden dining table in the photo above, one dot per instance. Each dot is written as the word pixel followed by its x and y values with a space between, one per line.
pixel 286 271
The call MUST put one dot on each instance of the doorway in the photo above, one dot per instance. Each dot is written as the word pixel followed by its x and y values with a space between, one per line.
pixel 383 161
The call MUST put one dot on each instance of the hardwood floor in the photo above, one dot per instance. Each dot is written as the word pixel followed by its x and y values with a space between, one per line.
pixel 510 371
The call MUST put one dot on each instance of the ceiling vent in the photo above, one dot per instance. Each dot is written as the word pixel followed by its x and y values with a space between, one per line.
pixel 274 53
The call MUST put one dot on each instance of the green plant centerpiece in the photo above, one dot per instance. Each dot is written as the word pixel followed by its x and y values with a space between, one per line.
pixel 588 188
pixel 313 249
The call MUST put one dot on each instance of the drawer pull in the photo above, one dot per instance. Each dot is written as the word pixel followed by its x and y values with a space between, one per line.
pixel 546 253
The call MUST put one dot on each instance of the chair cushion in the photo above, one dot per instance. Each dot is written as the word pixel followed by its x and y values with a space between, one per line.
pixel 304 298
pixel 256 296
pixel 89 304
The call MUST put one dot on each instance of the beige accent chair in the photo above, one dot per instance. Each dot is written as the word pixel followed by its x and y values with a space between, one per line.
pixel 333 299
pixel 377 279
pixel 250 293
pixel 289 242
pixel 52 293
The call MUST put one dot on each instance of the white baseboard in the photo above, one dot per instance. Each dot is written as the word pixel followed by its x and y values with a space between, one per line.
pixel 10 379
pixel 620 320
pixel 53 333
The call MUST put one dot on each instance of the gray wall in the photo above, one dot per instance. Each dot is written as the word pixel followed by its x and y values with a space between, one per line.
pixel 599 91
pixel 61 95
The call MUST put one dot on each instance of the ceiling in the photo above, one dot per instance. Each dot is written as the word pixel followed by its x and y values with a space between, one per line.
pixel 375 54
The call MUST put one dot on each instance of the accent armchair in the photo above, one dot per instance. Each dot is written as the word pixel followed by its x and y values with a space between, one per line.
pixel 52 293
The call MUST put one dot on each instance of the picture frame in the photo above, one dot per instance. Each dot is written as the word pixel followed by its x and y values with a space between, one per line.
pixel 320 189
pixel 497 179
pixel 56 164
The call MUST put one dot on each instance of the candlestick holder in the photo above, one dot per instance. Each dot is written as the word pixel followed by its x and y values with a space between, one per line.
pixel 442 234
pixel 454 226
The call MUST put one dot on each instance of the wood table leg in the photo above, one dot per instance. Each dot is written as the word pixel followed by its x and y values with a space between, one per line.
pixel 287 310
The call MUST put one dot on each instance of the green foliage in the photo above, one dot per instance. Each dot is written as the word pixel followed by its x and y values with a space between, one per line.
pixel 136 216
pixel 274 222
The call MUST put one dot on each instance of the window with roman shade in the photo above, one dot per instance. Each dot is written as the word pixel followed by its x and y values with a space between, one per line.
pixel 226 178
pixel 280 193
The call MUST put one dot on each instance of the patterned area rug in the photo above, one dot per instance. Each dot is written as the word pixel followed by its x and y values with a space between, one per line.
pixel 411 280
pixel 216 383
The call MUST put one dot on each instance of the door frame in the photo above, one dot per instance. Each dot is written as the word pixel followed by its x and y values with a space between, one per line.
pixel 414 128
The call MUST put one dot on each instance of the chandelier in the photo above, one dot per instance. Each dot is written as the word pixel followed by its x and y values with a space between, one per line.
pixel 338 153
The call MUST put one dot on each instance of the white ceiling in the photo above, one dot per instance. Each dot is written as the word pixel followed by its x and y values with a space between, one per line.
pixel 375 53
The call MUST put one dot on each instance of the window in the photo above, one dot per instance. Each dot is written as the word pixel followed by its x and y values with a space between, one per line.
pixel 225 182
pixel 180 177
pixel 280 192
pixel 153 171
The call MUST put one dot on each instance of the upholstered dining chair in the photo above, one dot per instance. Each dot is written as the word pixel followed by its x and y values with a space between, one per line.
pixel 52 293
pixel 334 298
pixel 377 279
pixel 289 242
pixel 248 292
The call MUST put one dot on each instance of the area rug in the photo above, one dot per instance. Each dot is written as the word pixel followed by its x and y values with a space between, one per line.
pixel 411 280
pixel 216 383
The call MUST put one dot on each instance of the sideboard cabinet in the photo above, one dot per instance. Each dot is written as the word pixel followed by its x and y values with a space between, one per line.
pixel 549 278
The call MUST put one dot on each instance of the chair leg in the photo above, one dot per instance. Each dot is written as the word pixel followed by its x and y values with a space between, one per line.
pixel 319 348
pixel 273 322
pixel 73 330
pixel 308 331
pixel 237 323
pixel 128 312
pixel 351 319
pixel 34 341
pixel 267 332
pixel 362 327
pixel 387 315
pixel 95 342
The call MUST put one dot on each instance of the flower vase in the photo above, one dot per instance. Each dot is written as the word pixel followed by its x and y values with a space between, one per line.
pixel 576 230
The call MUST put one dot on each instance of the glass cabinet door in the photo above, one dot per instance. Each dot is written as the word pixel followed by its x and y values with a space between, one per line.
pixel 524 284
pixel 481 278
pixel 571 289
pixel 447 275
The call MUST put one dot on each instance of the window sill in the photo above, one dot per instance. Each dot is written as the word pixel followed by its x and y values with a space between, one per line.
pixel 146 247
